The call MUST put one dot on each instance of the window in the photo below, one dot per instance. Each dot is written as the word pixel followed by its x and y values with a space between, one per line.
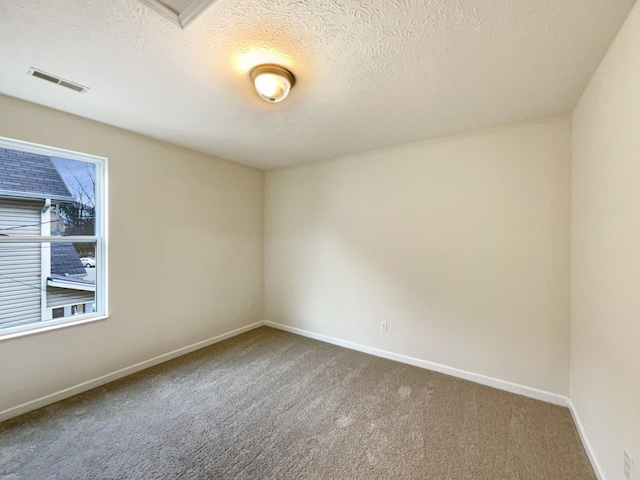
pixel 52 238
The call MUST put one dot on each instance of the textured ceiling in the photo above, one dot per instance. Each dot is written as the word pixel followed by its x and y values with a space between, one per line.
pixel 370 74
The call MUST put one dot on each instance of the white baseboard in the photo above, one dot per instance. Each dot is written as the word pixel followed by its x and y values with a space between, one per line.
pixel 585 442
pixel 123 372
pixel 530 392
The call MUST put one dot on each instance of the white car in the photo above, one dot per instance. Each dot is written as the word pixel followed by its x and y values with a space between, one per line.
pixel 88 262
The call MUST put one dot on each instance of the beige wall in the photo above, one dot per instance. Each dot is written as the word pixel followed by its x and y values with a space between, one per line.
pixel 605 259
pixel 185 254
pixel 461 245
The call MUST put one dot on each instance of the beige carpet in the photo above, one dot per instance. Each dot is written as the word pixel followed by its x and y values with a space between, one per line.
pixel 272 405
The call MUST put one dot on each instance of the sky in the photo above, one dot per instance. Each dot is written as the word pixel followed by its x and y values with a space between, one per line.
pixel 79 178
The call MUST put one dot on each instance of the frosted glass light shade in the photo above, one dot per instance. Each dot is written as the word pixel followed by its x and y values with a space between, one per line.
pixel 272 82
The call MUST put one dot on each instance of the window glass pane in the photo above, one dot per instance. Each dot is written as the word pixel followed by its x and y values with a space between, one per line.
pixel 40 282
pixel 45 195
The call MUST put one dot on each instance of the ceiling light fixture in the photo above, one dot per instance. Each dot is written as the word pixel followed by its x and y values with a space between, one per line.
pixel 272 82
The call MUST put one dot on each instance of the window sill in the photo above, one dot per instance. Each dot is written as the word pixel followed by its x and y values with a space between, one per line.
pixel 50 325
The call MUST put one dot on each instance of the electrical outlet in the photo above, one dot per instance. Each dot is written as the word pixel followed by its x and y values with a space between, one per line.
pixel 628 463
pixel 250 304
pixel 383 326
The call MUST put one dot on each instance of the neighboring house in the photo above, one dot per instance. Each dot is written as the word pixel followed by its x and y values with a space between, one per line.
pixel 37 282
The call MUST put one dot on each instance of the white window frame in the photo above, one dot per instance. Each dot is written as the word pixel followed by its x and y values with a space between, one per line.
pixel 99 237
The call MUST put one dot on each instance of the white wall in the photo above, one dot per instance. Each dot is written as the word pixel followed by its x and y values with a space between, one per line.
pixel 185 254
pixel 605 259
pixel 461 244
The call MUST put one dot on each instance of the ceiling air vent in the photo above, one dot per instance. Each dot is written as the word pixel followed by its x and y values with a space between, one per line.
pixel 34 72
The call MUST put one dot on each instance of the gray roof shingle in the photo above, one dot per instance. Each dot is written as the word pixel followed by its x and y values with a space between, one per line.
pixel 30 174
pixel 65 260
